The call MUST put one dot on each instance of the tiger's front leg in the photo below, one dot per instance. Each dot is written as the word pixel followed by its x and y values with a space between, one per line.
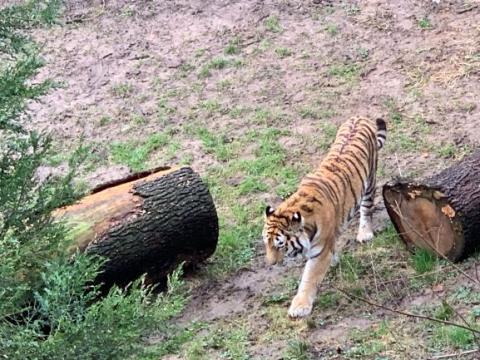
pixel 313 274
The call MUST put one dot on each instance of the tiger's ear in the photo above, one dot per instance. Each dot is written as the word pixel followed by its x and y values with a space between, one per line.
pixel 296 217
pixel 269 210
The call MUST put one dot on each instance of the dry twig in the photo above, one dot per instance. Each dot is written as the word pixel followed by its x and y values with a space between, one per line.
pixel 456 355
pixel 425 317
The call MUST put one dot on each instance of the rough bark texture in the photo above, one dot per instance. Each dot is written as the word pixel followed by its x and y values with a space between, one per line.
pixel 442 211
pixel 146 226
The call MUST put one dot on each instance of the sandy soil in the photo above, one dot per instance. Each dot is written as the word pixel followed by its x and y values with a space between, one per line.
pixel 133 68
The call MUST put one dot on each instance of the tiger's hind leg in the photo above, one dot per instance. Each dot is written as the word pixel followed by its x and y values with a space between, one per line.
pixel 365 230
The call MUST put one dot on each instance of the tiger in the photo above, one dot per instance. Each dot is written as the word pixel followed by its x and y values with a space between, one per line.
pixel 310 220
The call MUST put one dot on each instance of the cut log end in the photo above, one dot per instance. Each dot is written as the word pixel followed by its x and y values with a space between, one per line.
pixel 424 218
pixel 440 213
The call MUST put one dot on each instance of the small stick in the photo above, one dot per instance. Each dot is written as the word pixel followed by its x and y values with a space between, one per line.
pixel 445 322
pixel 398 166
pixel 463 353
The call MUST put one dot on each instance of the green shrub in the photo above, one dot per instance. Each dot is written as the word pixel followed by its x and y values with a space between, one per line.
pixel 49 308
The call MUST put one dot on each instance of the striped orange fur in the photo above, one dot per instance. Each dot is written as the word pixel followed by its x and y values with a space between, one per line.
pixel 310 220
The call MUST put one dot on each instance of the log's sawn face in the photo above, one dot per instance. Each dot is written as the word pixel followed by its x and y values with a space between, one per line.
pixel 440 213
pixel 423 218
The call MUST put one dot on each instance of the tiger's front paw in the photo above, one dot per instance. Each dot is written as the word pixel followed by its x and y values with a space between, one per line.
pixel 300 307
pixel 364 234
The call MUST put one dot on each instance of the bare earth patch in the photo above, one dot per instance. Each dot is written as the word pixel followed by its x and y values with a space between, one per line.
pixel 232 87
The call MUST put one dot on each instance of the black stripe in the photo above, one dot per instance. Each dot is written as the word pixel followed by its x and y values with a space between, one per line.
pixel 354 195
pixel 320 184
pixel 281 216
pixel 373 133
pixel 362 150
pixel 306 208
pixel 313 199
pixel 296 242
pixel 359 162
pixel 327 184
pixel 341 176
pixel 352 163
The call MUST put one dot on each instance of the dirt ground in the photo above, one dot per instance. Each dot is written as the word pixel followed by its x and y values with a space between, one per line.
pixel 191 70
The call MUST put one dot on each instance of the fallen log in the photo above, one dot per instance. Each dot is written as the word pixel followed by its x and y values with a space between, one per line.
pixel 148 223
pixel 440 213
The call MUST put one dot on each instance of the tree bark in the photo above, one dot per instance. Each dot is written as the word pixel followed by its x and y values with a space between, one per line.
pixel 440 213
pixel 147 225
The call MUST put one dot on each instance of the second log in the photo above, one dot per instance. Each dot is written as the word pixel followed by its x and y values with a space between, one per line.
pixel 441 213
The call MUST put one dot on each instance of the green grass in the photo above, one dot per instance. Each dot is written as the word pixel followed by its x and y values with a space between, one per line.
pixel 283 52
pixel 138 119
pixel 217 63
pixel 332 29
pixel 210 105
pixel 233 47
pixel 105 120
pixel 350 268
pixel 217 144
pixel 272 24
pixel 328 299
pixel 466 295
pixel 424 23
pixel 222 341
pixel 444 311
pixel 237 111
pixel 423 261
pixel 387 238
pixel 351 9
pixel 363 53
pixel 394 114
pixel 164 109
pixel 347 72
pixel 185 69
pixel 406 133
pixel 276 299
pixel 122 90
pixel 252 184
pixel 262 115
pixel 447 150
pixel 224 84
pixel 329 132
pixel 177 338
pixel 451 336
pixel 135 154
pixel 318 112
pixel 297 350
pixel 369 343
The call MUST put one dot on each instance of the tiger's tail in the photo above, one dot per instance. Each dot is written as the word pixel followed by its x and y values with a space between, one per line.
pixel 381 133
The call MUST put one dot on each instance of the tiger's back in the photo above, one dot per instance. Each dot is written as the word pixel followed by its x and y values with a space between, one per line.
pixel 310 220
pixel 348 172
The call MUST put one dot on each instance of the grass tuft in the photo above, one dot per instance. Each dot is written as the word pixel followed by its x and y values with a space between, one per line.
pixel 272 24
pixel 135 154
pixel 423 261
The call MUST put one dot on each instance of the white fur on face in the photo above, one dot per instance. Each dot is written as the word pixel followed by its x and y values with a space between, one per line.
pixel 280 241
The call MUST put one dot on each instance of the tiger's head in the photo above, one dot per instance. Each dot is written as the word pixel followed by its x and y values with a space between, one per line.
pixel 283 234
